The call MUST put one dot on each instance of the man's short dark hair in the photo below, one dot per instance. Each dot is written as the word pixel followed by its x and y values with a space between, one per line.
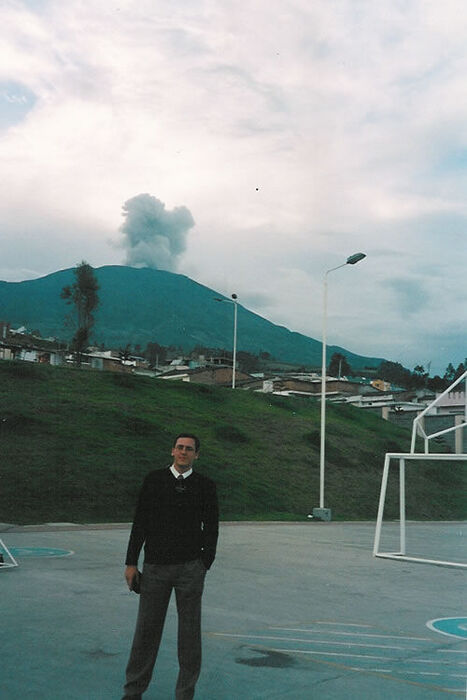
pixel 189 435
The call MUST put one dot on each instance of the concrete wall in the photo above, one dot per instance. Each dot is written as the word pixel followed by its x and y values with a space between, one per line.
pixel 432 425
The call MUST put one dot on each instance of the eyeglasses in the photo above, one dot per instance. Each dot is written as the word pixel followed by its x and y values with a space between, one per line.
pixel 180 448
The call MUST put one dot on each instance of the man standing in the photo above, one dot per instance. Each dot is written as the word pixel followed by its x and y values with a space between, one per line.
pixel 177 520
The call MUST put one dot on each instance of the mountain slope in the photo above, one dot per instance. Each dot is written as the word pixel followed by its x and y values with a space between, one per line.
pixel 147 305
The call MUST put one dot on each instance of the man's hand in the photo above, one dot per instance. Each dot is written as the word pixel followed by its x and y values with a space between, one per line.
pixel 130 573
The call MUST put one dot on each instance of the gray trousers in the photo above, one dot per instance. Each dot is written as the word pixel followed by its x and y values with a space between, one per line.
pixel 157 583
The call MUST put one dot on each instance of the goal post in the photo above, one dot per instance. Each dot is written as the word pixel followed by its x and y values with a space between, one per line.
pixel 7 560
pixel 402 457
pixel 418 429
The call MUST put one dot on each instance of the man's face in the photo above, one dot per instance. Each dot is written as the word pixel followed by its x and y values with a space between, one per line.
pixel 184 453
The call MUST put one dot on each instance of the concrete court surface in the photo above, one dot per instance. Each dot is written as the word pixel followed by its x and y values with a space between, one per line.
pixel 291 611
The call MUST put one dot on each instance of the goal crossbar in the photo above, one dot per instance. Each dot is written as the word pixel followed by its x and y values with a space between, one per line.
pixel 402 457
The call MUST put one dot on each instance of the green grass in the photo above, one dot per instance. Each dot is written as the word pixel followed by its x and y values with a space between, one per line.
pixel 76 444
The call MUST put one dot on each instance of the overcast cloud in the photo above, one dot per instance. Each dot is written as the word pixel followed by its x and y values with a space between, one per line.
pixel 293 133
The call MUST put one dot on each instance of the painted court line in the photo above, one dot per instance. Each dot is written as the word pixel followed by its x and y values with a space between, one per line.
pixel 40 552
pixel 393 672
pixel 339 624
pixel 434 661
pixel 367 656
pixel 449 626
pixel 349 646
pixel 354 634
pixel 313 641
pixel 425 673
pixel 359 648
pixel 332 653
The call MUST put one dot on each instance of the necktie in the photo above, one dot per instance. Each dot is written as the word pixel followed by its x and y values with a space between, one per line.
pixel 180 487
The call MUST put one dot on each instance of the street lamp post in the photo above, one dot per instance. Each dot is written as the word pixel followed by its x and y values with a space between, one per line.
pixel 234 353
pixel 323 513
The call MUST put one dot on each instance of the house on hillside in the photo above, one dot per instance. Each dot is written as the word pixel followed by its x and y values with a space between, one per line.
pixel 215 375
pixel 105 360
pixel 451 404
pixel 376 402
pixel 381 384
pixel 290 386
pixel 112 361
pixel 4 330
pixel 6 352
pixel 310 384
pixel 277 367
pixel 182 363
pixel 20 345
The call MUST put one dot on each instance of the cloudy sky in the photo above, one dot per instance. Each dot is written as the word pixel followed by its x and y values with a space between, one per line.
pixel 251 146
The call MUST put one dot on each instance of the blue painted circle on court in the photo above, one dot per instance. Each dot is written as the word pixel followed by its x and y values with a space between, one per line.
pixel 39 552
pixel 451 626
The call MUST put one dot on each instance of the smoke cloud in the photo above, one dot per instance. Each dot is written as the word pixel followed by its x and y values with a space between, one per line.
pixel 154 237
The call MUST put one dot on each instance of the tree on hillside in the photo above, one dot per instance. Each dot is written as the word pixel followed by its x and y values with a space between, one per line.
pixel 155 353
pixel 437 383
pixel 338 365
pixel 82 295
pixel 450 373
pixel 125 353
pixel 395 373
pixel 419 377
pixel 247 361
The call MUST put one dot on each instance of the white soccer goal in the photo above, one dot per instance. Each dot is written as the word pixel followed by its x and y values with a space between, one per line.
pixel 402 457
pixel 7 559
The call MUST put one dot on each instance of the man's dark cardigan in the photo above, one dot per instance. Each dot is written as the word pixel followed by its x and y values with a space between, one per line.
pixel 176 521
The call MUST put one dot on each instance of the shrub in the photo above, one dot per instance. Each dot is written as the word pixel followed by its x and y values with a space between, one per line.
pixel 312 438
pixel 231 433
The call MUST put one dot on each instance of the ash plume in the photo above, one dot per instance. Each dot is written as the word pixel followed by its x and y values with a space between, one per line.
pixel 154 236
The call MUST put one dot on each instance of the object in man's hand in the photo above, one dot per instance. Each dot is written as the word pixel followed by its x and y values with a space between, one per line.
pixel 136 583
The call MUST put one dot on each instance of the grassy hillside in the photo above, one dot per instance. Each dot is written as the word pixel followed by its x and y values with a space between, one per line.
pixel 75 445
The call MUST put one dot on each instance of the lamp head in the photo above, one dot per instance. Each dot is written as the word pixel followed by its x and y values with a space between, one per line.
pixel 355 258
